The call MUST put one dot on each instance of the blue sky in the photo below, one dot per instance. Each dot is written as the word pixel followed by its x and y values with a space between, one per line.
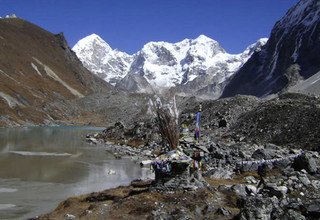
pixel 129 24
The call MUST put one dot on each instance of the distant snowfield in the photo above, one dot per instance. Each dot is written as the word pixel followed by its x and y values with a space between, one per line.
pixel 162 64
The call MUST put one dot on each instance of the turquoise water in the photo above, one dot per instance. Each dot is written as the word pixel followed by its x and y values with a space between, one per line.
pixel 41 166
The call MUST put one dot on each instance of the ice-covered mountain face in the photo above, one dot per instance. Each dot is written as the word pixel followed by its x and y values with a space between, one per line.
pixel 97 56
pixel 159 66
pixel 166 65
pixel 294 42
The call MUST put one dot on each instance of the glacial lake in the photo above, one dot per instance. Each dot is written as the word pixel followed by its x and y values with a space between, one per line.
pixel 42 166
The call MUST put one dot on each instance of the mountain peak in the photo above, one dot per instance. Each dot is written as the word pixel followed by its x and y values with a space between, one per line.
pixel 91 41
pixel 203 38
pixel 96 55
pixel 162 64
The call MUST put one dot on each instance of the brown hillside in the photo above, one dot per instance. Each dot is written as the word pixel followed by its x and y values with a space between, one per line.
pixel 38 73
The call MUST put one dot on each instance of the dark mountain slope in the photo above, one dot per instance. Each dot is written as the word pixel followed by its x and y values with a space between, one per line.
pixel 294 41
pixel 38 74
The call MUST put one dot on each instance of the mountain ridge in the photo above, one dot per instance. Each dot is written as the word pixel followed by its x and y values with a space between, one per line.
pixel 294 40
pixel 162 65
pixel 39 74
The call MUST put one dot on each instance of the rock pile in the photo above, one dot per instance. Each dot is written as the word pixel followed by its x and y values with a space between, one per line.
pixel 232 148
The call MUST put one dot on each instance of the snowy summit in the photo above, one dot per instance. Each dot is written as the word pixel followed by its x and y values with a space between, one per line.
pixel 162 65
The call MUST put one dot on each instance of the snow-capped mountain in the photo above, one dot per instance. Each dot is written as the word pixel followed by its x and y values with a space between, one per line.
pixel 162 65
pixel 294 44
pixel 96 55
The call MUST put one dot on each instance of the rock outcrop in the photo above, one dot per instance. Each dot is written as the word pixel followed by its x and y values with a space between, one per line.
pixel 294 41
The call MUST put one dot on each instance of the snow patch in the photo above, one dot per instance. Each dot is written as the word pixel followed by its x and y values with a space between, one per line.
pixel 96 55
pixel 9 76
pixel 54 76
pixel 12 102
pixel 36 69
pixel 296 50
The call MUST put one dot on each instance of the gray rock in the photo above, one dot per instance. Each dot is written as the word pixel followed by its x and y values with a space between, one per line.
pixel 69 216
pixel 244 167
pixel 305 161
pixel 304 180
pixel 251 190
pixel 257 208
pixel 313 209
pixel 220 173
pixel 278 191
pixel 223 211
pixel 316 184
pixel 239 189
pixel 271 146
pixel 250 179
pixel 292 214
pixel 266 154
pixel 282 164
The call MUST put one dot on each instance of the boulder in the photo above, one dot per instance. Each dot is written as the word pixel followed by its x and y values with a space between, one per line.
pixel 313 210
pixel 239 189
pixel 278 191
pixel 292 214
pixel 265 154
pixel 251 190
pixel 250 179
pixel 257 207
pixel 305 161
pixel 305 180
pixel 223 211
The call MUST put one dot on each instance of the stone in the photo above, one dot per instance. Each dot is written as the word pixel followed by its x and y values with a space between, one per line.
pixel 69 216
pixel 255 207
pixel 305 161
pixel 265 154
pixel 304 180
pixel 111 172
pixel 239 189
pixel 282 164
pixel 278 191
pixel 313 209
pixel 292 214
pixel 92 140
pixel 251 190
pixel 223 211
pixel 271 146
pixel 203 148
pixel 188 139
pixel 250 179
pixel 244 167
pixel 220 173
pixel 222 123
pixel 316 184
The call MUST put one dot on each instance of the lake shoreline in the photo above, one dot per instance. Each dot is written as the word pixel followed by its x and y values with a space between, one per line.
pixel 48 164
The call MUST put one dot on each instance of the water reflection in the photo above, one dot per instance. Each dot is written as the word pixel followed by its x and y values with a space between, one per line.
pixel 40 166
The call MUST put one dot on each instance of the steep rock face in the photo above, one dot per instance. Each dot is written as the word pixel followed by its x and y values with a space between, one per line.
pixel 38 74
pixel 189 65
pixel 96 55
pixel 294 41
